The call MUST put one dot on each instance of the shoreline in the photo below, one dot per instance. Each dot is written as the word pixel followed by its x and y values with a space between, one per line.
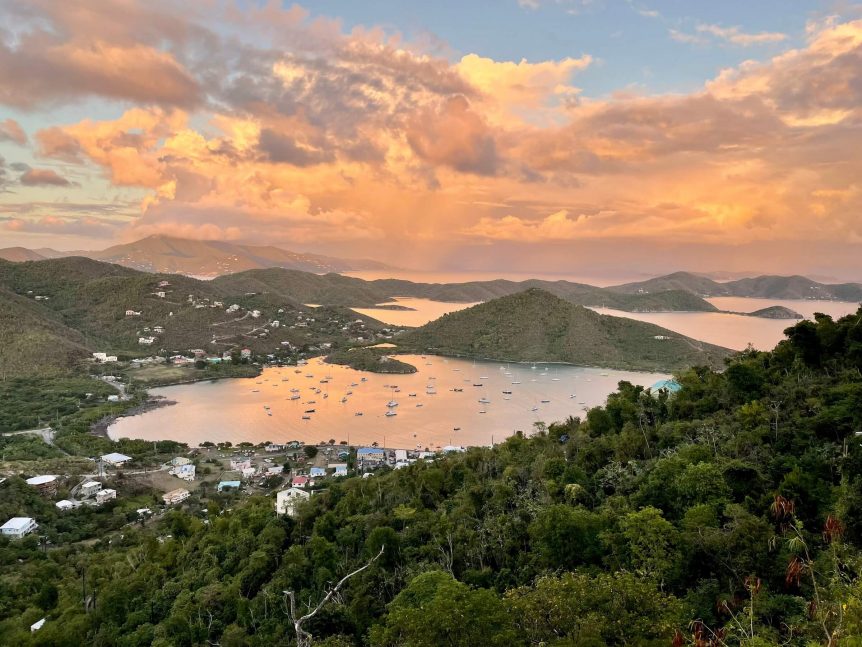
pixel 100 427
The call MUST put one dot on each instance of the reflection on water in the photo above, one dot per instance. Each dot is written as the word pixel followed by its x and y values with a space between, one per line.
pixel 421 311
pixel 439 405
pixel 736 331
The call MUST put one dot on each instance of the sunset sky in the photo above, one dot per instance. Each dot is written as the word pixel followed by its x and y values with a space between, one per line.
pixel 532 135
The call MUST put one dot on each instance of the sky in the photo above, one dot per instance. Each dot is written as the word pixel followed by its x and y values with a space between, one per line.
pixel 544 136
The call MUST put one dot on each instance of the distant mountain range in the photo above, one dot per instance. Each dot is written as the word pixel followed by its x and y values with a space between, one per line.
pixel 204 258
pixel 762 287
pixel 536 326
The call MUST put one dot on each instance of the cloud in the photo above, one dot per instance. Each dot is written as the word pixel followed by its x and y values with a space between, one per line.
pixel 11 131
pixel 43 177
pixel 87 227
pixel 736 36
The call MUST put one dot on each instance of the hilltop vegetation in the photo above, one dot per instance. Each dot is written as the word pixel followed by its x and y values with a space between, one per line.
pixel 728 514
pixel 537 326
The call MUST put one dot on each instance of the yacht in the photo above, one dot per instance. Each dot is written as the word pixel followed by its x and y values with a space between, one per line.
pixel 507 393
pixel 344 399
pixel 411 395
pixel 255 390
pixel 516 382
pixel 309 411
pixel 295 397
pixel 390 413
pixel 534 409
pixel 358 413
pixel 392 404
pixel 306 417
pixel 484 401
pixel 544 401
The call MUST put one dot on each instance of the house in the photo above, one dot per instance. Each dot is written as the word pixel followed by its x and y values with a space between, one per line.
pixel 272 447
pixel 146 341
pixel 181 360
pixel 224 485
pixel 36 626
pixel 116 459
pixel 113 398
pixel 64 505
pixel 275 324
pixel 238 465
pixel 287 501
pixel 185 472
pixel 164 284
pixel 370 456
pixel 299 481
pixel 46 484
pixel 103 496
pixel 452 448
pixel 245 353
pixel 255 314
pixel 274 470
pixel 180 460
pixel 248 472
pixel 160 294
pixel 400 455
pixel 133 313
pixel 158 329
pixel 144 512
pixel 671 386
pixel 340 469
pixel 176 496
pixel 232 308
pixel 18 527
pixel 102 358
pixel 317 472
pixel 90 488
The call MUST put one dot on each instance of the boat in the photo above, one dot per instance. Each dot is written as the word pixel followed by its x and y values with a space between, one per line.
pixel 391 404
pixel 269 413
pixel 325 395
pixel 419 404
pixel 294 397
pixel 483 411
pixel 266 406
pixel 294 390
pixel 515 382
pixel 358 413
pixel 507 393
pixel 457 390
pixel 555 379
pixel 297 371
pixel 456 428
pixel 484 401
pixel 390 413
pixel 544 401
pixel 311 402
pixel 306 417
pixel 534 409
pixel 364 379
pixel 255 390
pixel 354 384
pixel 344 399
pixel 480 384
pixel 324 381
pixel 483 377
pixel 309 411
pixel 411 395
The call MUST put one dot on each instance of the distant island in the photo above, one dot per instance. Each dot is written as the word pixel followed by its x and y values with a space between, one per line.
pixel 773 312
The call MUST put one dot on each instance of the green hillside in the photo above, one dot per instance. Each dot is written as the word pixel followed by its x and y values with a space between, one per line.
pixel 537 326
pixel 63 309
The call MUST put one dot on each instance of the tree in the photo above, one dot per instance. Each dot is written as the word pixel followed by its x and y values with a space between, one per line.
pixel 435 609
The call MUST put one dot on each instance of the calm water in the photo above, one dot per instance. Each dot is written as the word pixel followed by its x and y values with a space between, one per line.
pixel 423 311
pixel 234 409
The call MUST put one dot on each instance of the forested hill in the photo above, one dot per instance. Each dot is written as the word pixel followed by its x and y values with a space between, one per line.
pixel 537 326
pixel 729 513
pixel 763 287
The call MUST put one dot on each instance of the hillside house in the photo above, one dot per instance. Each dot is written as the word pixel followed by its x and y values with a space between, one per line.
pixel 160 294
pixel 146 341
pixel 176 496
pixel 255 314
pixel 164 284
pixel 237 465
pixel 18 527
pixel 369 457
pixel 245 353
pixel 274 470
pixel 133 313
pixel 248 472
pixel 102 358
pixel 300 481
pixel 225 485
pixel 287 501
pixel 46 484
pixel 180 460
pixel 185 472
pixel 103 496
pixel 90 488
pixel 317 472
pixel 339 469
pixel 232 308
pixel 65 505
pixel 116 459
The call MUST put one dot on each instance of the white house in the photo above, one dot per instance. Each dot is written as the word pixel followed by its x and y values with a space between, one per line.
pixel 146 341
pixel 340 469
pixel 105 495
pixel 102 358
pixel 160 294
pixel 286 501
pixel 36 626
pixel 180 460
pixel 176 496
pixel 255 314
pixel 116 459
pixel 133 313
pixel 248 472
pixel 237 465
pixel 245 353
pixel 274 470
pixel 90 488
pixel 17 527
pixel 185 472
pixel 64 505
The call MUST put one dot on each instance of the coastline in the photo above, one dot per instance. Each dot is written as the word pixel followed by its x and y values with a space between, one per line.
pixel 100 427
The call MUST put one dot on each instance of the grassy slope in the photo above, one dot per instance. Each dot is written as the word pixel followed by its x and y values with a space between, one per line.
pixel 537 326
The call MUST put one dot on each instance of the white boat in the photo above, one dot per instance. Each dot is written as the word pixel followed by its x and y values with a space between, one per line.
pixel 515 382
pixel 545 401
pixel 534 409
pixel 419 404
pixel 391 404
pixel 255 390
pixel 344 399
pixel 555 379
pixel 295 397
pixel 484 401
pixel 269 413
pixel 390 413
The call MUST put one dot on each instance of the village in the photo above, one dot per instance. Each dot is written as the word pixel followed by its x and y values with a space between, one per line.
pixel 292 472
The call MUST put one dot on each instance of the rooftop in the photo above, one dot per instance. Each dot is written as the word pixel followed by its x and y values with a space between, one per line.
pixel 115 457
pixel 17 523
pixel 41 480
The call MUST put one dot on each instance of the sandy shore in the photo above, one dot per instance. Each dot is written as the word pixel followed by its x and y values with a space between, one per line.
pixel 100 428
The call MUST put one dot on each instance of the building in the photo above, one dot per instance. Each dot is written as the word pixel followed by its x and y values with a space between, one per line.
pixel 103 496
pixel 180 460
pixel 146 341
pixel 671 386
pixel 104 357
pixel 18 527
pixel 116 459
pixel 287 501
pixel 317 472
pixel 185 472
pixel 237 465
pixel 36 626
pixel 225 485
pixel 274 470
pixel 299 481
pixel 176 496
pixel 90 488
pixel 245 353
pixel 400 455
pixel 64 505
pixel 248 472
pixel 339 469
pixel 46 484
pixel 369 457
pixel 133 313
